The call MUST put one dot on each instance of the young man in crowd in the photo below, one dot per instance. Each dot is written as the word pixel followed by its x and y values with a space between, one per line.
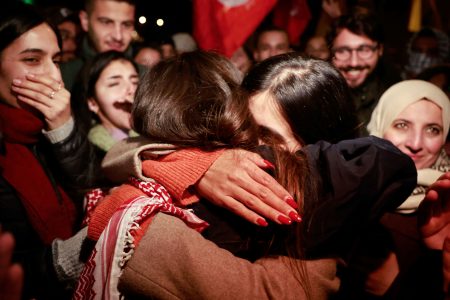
pixel 109 25
pixel 356 42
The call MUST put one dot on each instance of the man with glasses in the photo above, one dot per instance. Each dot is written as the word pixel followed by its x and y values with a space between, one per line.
pixel 356 50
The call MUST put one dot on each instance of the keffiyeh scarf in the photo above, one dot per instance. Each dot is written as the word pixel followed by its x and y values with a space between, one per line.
pixel 116 244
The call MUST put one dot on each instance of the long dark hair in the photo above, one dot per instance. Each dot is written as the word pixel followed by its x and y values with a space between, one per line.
pixel 86 81
pixel 195 100
pixel 16 18
pixel 312 96
pixel 364 24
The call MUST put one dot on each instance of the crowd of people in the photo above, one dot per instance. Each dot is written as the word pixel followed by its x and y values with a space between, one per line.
pixel 138 168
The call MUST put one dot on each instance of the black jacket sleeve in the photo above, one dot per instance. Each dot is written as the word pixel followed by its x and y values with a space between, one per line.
pixel 360 180
pixel 75 163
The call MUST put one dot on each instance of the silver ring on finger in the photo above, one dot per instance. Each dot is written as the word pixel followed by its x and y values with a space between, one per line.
pixel 51 95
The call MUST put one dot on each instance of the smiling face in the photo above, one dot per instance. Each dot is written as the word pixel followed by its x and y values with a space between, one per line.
pixel 267 113
pixel 109 24
pixel 115 89
pixel 355 69
pixel 418 132
pixel 34 52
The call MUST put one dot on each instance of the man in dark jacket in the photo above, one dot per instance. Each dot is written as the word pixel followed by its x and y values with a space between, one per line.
pixel 109 25
pixel 356 42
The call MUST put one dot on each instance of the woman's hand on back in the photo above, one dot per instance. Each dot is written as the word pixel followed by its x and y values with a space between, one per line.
pixel 47 95
pixel 237 182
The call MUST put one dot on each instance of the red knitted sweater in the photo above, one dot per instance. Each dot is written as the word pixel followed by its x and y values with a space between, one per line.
pixel 188 164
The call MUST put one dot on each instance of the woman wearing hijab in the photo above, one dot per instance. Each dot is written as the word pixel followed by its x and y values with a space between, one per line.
pixel 415 116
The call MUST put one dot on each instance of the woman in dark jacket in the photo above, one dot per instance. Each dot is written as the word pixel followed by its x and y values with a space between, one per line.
pixel 42 159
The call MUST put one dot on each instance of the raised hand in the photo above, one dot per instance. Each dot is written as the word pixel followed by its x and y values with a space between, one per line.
pixel 434 223
pixel 434 213
pixel 47 95
pixel 237 182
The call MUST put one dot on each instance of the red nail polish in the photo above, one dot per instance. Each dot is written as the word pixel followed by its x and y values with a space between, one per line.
pixel 295 217
pixel 269 164
pixel 284 220
pixel 291 202
pixel 262 222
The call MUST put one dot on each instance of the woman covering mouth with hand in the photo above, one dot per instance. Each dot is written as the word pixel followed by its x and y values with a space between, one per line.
pixel 42 150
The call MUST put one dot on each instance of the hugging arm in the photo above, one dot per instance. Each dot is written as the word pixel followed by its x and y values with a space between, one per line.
pixel 236 180
pixel 233 179
pixel 367 168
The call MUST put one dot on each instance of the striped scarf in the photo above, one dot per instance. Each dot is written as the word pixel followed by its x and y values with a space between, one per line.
pixel 117 242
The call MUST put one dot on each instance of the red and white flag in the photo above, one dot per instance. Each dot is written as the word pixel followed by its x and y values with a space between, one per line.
pixel 224 25
pixel 292 16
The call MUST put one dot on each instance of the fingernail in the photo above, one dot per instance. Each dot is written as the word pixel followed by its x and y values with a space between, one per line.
pixel 262 222
pixel 284 220
pixel 269 164
pixel 291 202
pixel 17 81
pixel 31 75
pixel 295 217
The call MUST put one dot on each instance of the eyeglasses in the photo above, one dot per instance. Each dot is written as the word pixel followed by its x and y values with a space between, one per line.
pixel 363 52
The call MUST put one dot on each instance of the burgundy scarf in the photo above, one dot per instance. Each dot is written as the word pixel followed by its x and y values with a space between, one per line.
pixel 50 217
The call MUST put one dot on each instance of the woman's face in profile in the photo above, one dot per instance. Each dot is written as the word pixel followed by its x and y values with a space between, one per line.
pixel 418 132
pixel 115 89
pixel 267 113
pixel 34 52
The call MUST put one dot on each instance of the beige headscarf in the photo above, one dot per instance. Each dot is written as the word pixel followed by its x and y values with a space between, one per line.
pixel 401 95
pixel 391 104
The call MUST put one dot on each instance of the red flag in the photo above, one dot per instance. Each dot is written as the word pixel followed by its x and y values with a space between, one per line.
pixel 292 16
pixel 224 25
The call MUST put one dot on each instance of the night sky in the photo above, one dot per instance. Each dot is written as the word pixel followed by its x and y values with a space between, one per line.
pixel 175 13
